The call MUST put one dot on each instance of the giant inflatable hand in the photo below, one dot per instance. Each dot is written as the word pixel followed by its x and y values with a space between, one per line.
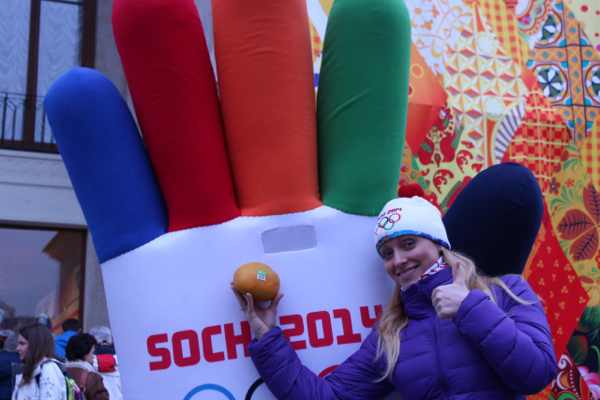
pixel 224 178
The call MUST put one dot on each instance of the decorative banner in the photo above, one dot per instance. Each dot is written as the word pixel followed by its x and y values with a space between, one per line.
pixel 436 27
pixel 567 68
pixel 505 25
pixel 447 160
pixel 590 153
pixel 531 15
pixel 426 98
pixel 540 140
pixel 587 13
pixel 485 88
pixel 558 286
pixel 573 382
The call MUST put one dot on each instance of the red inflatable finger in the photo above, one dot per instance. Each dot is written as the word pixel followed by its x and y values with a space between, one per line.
pixel 172 84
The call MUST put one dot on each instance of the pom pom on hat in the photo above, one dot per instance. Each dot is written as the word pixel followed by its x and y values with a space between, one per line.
pixel 411 190
pixel 412 215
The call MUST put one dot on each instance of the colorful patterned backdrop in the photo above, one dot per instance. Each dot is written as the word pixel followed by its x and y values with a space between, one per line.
pixel 516 80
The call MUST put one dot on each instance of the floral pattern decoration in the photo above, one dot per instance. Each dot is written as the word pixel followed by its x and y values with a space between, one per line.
pixel 423 12
pixel 582 226
pixel 569 383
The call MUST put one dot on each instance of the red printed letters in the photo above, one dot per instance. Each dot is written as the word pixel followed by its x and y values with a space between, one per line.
pixel 183 347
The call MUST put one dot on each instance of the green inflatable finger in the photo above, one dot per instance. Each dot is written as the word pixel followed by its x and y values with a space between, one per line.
pixel 362 103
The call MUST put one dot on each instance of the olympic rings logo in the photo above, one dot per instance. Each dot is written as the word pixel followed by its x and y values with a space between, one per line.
pixel 251 390
pixel 386 223
pixel 216 388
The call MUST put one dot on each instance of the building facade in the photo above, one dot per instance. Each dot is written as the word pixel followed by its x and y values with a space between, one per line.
pixel 47 260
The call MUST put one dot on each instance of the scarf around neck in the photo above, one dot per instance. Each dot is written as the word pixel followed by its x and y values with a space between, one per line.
pixel 439 265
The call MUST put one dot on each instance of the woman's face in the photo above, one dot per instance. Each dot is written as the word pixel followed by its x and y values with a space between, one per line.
pixel 22 348
pixel 407 257
pixel 89 357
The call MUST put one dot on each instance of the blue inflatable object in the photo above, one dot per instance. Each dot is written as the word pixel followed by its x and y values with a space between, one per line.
pixel 107 162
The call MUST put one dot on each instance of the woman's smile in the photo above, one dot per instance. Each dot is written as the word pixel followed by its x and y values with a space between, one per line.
pixel 408 270
pixel 407 257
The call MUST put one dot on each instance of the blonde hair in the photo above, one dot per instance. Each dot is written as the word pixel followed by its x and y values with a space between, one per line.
pixel 393 319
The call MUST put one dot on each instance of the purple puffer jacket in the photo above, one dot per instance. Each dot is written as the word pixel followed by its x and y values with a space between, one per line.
pixel 487 351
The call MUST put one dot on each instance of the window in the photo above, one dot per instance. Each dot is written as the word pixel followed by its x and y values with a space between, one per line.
pixel 39 41
pixel 41 272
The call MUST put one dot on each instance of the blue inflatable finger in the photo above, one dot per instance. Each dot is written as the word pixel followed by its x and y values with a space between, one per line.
pixel 107 162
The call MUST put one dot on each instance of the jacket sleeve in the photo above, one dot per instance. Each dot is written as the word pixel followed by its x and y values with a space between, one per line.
pixel 514 338
pixel 52 382
pixel 94 387
pixel 5 370
pixel 286 377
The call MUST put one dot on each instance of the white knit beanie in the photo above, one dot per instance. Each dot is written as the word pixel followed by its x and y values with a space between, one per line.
pixel 410 216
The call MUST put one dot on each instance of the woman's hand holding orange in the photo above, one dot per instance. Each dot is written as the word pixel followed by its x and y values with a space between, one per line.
pixel 261 319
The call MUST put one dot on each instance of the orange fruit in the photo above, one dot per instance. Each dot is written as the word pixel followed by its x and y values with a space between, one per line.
pixel 257 279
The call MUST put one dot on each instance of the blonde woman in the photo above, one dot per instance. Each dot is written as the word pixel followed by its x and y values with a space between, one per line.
pixel 447 332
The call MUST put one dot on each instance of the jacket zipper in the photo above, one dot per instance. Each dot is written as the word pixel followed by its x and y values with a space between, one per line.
pixel 441 374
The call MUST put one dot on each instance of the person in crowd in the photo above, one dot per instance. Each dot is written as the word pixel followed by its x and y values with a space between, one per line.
pixel 44 319
pixel 104 337
pixel 8 356
pixel 80 356
pixel 447 332
pixel 70 327
pixel 4 331
pixel 41 376
pixel 106 361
